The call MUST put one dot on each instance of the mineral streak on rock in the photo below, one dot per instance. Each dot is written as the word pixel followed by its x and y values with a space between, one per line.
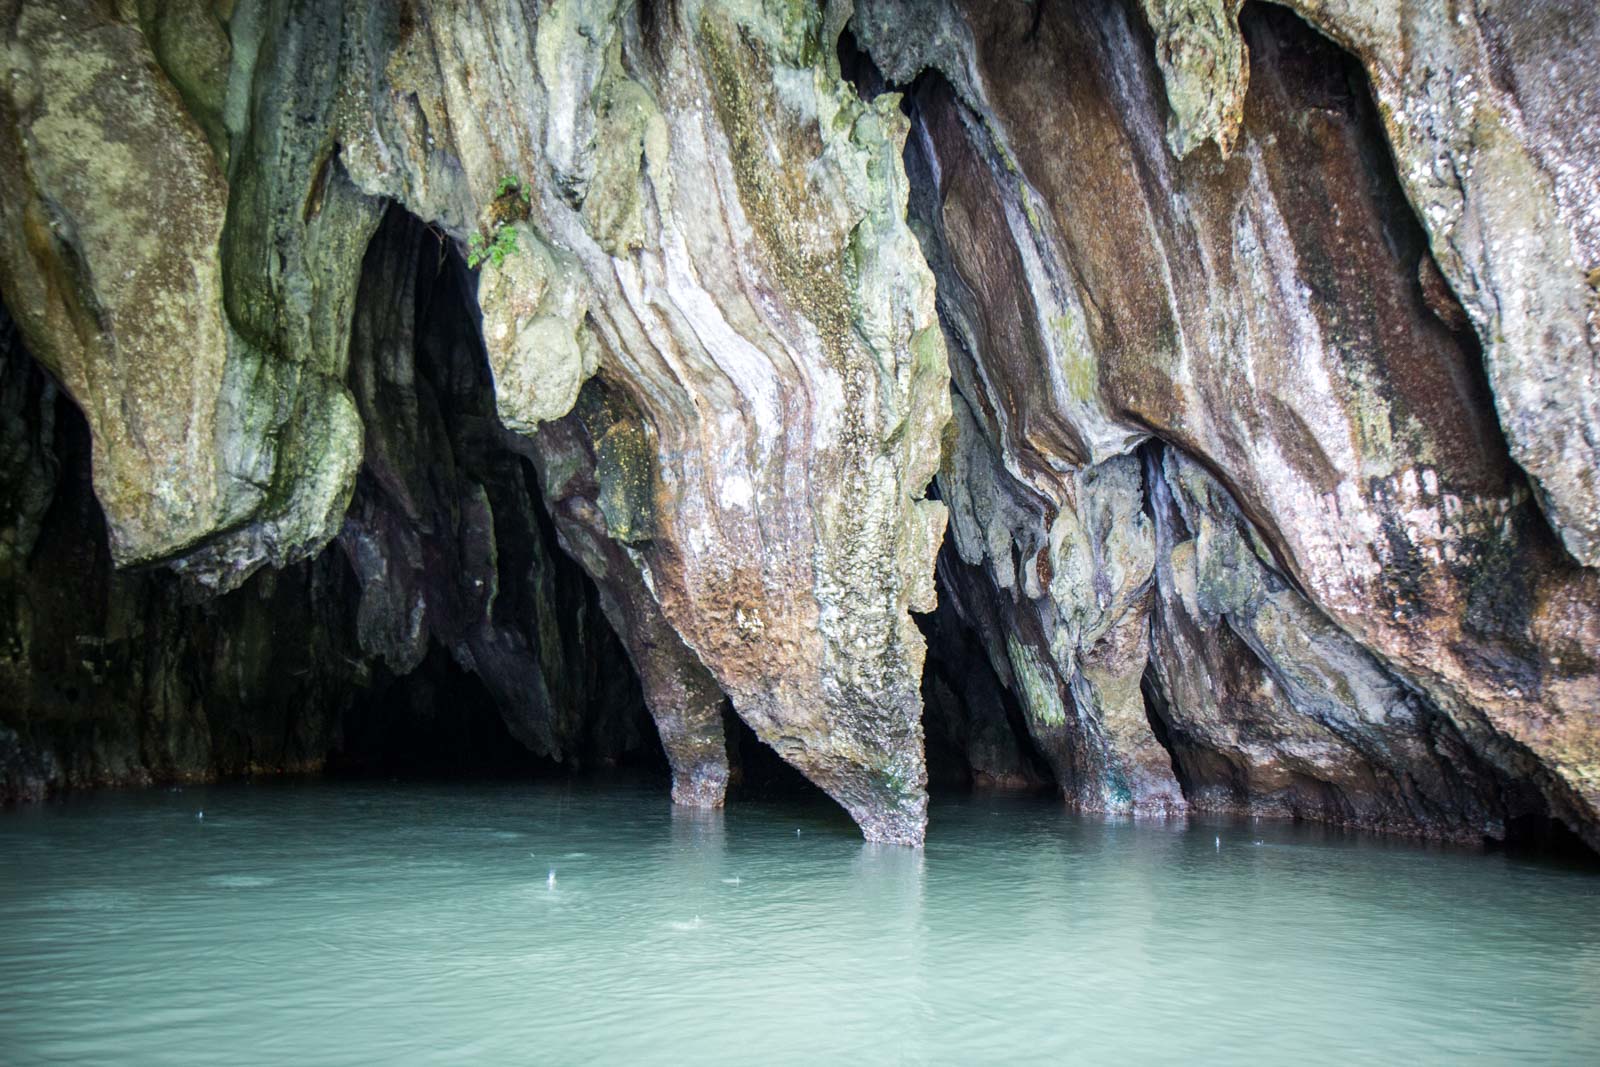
pixel 596 520
pixel 1491 112
pixel 770 320
pixel 1263 313
pixel 1253 350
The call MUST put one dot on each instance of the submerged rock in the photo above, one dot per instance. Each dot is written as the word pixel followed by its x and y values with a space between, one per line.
pixel 1253 358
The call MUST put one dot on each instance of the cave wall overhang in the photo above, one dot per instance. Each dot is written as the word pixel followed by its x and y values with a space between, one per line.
pixel 1335 284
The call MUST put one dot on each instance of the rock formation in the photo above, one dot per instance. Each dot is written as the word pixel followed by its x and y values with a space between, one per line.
pixel 1219 384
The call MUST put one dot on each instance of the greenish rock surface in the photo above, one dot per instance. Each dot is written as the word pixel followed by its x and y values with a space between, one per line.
pixel 1249 353
pixel 1277 316
pixel 534 304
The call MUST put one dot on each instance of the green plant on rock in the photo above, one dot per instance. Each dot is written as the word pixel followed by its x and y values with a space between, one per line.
pixel 512 198
pixel 495 249
pixel 511 185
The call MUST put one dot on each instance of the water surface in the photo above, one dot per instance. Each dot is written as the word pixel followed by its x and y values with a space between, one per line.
pixel 365 923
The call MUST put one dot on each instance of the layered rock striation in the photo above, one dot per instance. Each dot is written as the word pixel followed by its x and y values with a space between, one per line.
pixel 1218 384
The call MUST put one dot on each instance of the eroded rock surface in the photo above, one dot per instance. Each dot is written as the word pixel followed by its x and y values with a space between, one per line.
pixel 1491 114
pixel 1262 313
pixel 442 632
pixel 1255 350
pixel 735 217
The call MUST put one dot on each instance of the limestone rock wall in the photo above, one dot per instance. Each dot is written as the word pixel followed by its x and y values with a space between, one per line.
pixel 716 227
pixel 1276 314
pixel 1249 351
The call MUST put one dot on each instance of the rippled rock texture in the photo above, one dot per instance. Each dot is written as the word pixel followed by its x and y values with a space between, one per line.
pixel 1219 384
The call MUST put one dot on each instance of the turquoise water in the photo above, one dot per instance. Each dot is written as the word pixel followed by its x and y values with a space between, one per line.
pixel 361 923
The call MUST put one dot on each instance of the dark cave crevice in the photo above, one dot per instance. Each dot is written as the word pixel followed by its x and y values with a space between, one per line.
pixel 111 677
pixel 974 730
pixel 438 721
pixel 857 68
pixel 757 772
pixel 1158 715
pixel 513 623
pixel 1545 839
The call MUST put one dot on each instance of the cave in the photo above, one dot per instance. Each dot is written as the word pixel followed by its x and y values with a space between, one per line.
pixel 662 531
pixel 382 655
pixel 453 623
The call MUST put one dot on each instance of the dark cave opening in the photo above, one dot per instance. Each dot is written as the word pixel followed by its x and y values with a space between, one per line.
pixel 1156 712
pixel 974 731
pixel 437 721
pixel 857 67
pixel 453 499
pixel 443 633
pixel 1547 840
pixel 757 772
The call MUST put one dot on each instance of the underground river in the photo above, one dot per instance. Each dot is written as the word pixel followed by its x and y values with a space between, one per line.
pixel 367 923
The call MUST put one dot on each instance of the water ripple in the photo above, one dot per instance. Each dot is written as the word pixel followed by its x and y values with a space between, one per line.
pixel 358 924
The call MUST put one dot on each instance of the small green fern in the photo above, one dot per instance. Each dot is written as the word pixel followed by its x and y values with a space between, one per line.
pixel 480 248
pixel 510 183
pixel 495 249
